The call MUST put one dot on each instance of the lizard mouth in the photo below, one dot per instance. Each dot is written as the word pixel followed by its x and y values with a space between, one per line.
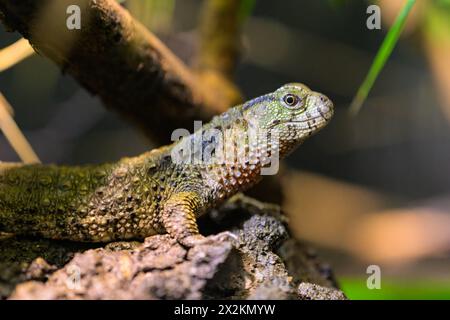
pixel 321 117
pixel 325 114
pixel 304 121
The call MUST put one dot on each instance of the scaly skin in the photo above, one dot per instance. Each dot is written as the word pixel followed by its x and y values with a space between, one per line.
pixel 154 193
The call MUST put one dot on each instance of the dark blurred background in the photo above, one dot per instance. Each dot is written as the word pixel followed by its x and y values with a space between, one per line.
pixel 369 189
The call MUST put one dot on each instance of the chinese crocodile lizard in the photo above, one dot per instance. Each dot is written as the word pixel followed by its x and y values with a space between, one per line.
pixel 151 193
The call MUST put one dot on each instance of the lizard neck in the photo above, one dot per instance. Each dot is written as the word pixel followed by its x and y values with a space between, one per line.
pixel 239 157
pixel 229 152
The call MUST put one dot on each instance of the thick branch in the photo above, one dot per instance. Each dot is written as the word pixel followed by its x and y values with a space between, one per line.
pixel 116 58
pixel 220 41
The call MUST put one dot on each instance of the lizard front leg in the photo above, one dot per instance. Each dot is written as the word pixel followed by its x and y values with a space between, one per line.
pixel 179 219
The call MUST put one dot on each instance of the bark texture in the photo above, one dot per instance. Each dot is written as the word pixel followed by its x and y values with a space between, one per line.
pixel 118 59
pixel 266 263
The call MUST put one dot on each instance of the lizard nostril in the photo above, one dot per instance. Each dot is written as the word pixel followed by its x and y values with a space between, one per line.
pixel 324 108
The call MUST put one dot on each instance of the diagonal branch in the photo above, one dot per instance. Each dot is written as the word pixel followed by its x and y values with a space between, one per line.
pixel 220 36
pixel 116 58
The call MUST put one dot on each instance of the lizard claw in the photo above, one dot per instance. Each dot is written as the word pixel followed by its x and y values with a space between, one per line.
pixel 225 236
pixel 198 239
pixel 193 240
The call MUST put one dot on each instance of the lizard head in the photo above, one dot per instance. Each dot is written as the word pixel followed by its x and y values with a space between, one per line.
pixel 294 111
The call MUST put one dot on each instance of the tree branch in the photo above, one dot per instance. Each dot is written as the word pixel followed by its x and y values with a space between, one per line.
pixel 116 58
pixel 219 34
pixel 219 44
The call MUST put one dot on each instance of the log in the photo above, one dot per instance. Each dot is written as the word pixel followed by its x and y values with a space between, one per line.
pixel 265 263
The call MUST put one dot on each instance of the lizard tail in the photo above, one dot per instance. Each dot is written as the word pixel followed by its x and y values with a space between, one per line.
pixel 45 199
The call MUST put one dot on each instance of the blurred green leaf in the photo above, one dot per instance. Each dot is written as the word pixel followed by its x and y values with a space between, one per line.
pixel 356 289
pixel 437 21
pixel 157 15
pixel 381 57
pixel 246 9
pixel 338 3
pixel 442 3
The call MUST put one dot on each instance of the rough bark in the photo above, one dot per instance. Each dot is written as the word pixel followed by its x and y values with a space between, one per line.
pixel 116 58
pixel 266 263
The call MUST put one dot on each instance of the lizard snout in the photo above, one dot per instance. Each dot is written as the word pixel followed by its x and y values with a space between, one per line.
pixel 325 107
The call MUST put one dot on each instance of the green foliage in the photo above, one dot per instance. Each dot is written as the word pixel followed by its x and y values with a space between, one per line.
pixel 337 3
pixel 381 57
pixel 437 20
pixel 246 9
pixel 442 3
pixel 356 289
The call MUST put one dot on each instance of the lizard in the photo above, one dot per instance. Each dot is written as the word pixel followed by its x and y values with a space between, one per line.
pixel 159 191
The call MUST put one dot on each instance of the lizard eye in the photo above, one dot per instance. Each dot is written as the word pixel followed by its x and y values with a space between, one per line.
pixel 291 100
